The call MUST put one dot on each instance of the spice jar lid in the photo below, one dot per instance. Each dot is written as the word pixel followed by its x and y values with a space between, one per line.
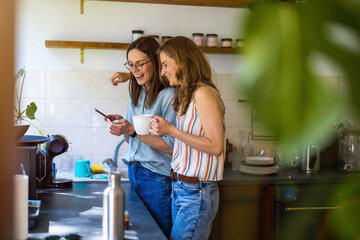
pixel 211 35
pixel 137 31
pixel 226 39
pixel 198 34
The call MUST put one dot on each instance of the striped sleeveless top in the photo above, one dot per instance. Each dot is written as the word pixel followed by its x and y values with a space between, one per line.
pixel 189 161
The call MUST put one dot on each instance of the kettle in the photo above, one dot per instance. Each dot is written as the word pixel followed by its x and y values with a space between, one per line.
pixel 310 158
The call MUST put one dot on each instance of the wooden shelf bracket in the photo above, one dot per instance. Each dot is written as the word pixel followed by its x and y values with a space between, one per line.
pixel 82 6
pixel 82 55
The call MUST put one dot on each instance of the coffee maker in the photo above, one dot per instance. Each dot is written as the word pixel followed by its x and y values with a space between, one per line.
pixel 45 168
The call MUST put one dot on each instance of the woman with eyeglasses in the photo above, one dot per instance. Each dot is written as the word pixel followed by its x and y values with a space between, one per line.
pixel 198 157
pixel 149 156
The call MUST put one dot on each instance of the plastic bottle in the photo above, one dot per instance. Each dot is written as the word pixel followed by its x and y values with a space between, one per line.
pixel 114 207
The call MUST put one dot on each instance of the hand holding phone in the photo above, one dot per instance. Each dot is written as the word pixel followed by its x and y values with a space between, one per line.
pixel 103 114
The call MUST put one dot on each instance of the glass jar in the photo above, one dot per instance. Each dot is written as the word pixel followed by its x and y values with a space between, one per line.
pixel 198 38
pixel 211 40
pixel 226 42
pixel 239 43
pixel 137 34
pixel 349 150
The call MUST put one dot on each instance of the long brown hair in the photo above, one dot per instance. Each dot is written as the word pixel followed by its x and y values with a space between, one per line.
pixel 147 45
pixel 193 70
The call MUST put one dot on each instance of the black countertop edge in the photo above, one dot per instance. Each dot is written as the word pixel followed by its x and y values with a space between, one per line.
pixel 287 176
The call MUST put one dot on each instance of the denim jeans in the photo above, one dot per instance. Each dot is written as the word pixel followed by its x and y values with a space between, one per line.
pixel 194 206
pixel 155 191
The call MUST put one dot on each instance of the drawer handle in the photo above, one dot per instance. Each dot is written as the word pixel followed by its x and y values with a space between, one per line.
pixel 309 208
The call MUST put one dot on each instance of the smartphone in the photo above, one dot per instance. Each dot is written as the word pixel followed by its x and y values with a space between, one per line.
pixel 103 114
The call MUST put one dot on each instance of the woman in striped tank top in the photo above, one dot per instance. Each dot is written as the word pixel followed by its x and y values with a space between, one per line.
pixel 198 155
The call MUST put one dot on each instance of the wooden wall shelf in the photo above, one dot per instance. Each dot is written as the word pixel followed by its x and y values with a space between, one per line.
pixel 86 45
pixel 210 3
pixel 123 46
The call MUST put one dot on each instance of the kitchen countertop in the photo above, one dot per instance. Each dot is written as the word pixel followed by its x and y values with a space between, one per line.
pixel 286 176
pixel 78 210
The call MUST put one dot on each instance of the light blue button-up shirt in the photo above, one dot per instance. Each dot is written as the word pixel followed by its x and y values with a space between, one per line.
pixel 150 158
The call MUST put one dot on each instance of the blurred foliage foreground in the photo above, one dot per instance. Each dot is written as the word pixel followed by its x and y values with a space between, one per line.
pixel 280 80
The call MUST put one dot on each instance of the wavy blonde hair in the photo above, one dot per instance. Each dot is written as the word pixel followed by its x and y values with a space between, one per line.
pixel 193 70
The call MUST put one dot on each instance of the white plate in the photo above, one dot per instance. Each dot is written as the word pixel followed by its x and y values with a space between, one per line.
pixel 260 160
pixel 260 170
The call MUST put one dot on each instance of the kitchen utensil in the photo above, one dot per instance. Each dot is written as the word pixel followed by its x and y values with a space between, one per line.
pixel 310 158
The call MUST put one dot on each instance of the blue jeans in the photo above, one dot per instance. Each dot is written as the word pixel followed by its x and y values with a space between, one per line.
pixel 194 206
pixel 155 191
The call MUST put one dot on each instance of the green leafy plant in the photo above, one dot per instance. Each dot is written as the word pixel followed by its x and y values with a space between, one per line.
pixel 28 114
pixel 283 43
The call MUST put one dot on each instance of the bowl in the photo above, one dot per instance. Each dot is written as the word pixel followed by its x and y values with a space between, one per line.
pixel 20 129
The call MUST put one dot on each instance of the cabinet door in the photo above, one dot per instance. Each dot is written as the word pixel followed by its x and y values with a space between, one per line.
pixel 239 213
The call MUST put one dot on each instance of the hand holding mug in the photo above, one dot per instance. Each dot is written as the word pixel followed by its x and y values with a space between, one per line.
pixel 142 123
pixel 160 127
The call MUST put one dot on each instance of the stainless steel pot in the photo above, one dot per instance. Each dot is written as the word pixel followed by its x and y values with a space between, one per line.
pixel 310 158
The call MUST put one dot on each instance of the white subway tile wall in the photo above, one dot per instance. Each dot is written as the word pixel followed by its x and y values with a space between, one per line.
pixel 66 101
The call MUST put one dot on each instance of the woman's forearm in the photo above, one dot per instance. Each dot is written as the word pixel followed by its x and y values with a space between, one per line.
pixel 202 144
pixel 155 142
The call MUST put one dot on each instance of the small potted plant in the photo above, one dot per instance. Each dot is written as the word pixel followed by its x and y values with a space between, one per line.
pixel 20 115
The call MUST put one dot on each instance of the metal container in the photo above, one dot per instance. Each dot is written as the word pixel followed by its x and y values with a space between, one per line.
pixel 349 150
pixel 310 158
pixel 114 207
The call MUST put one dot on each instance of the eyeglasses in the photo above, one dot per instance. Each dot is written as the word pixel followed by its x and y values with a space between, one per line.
pixel 139 67
pixel 68 237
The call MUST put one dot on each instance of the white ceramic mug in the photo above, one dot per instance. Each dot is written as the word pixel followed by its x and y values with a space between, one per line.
pixel 142 123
